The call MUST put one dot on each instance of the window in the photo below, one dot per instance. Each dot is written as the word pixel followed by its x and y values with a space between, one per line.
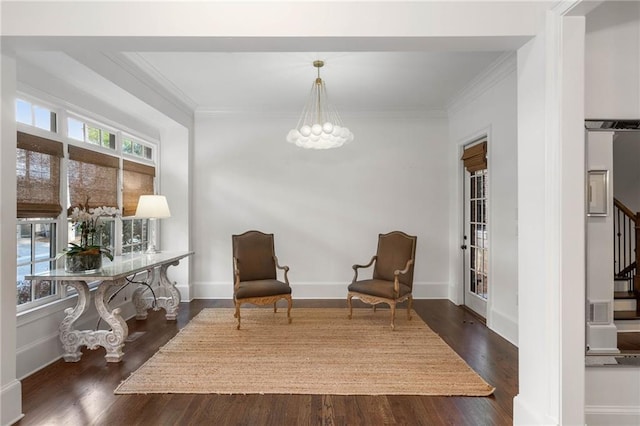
pixel 135 235
pixel 82 131
pixel 36 116
pixel 101 165
pixel 135 148
pixel 92 178
pixel 36 251
pixel 105 235
pixel 137 181
pixel 38 177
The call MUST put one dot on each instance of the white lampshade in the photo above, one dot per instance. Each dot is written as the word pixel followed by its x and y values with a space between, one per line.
pixel 153 206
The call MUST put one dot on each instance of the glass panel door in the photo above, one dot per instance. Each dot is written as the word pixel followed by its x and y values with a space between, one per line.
pixel 476 243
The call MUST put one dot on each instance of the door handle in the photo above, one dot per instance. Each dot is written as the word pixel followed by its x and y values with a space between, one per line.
pixel 463 247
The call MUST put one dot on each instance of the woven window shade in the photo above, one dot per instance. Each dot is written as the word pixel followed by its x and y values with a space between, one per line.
pixel 138 180
pixel 475 157
pixel 93 178
pixel 38 177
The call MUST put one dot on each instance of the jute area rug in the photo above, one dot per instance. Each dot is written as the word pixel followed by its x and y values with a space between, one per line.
pixel 321 352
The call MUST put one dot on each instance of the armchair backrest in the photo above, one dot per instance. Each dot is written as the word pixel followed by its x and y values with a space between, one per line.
pixel 254 252
pixel 394 250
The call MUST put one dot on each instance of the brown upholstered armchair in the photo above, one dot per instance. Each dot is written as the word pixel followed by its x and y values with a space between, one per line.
pixel 254 272
pixel 392 277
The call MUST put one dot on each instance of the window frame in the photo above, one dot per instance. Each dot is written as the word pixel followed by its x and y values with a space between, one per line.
pixel 36 102
pixel 134 157
pixel 33 260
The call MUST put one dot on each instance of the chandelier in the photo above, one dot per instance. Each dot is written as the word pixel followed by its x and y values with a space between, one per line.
pixel 320 126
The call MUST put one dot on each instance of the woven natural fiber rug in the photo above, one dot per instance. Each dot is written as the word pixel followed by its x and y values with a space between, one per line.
pixel 320 352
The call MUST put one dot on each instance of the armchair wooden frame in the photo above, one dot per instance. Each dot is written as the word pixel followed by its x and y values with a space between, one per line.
pixel 398 274
pixel 271 289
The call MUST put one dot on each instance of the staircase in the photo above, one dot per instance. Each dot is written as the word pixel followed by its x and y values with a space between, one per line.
pixel 626 229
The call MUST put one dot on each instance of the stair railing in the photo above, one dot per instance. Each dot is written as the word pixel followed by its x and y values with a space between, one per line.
pixel 626 234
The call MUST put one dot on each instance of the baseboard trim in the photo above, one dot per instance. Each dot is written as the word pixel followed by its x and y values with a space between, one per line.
pixel 11 402
pixel 504 325
pixel 523 414
pixel 611 415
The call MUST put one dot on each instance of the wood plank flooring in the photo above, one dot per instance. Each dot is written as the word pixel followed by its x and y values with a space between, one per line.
pixel 82 393
pixel 629 342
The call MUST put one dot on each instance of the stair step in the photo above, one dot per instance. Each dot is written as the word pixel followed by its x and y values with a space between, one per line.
pixel 626 315
pixel 616 278
pixel 623 295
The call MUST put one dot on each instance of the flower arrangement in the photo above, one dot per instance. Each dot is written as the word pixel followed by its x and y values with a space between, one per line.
pixel 88 222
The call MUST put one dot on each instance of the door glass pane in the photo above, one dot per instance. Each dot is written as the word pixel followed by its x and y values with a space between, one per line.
pixel 478 229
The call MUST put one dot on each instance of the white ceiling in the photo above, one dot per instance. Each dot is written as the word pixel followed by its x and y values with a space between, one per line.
pixel 357 82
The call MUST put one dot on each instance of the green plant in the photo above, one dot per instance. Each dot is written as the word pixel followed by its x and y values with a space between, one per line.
pixel 88 222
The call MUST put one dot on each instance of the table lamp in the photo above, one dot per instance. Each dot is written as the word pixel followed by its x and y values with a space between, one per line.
pixel 152 207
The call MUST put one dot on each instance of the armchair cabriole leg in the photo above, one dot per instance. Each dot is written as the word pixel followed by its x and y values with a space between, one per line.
pixel 350 307
pixel 275 307
pixel 393 315
pixel 237 315
pixel 409 308
pixel 289 306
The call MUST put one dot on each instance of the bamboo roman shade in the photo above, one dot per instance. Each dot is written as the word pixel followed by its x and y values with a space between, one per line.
pixel 137 180
pixel 475 157
pixel 93 176
pixel 38 176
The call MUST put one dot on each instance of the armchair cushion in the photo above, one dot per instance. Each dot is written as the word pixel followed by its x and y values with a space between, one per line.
pixel 255 257
pixel 379 288
pixel 261 288
pixel 393 252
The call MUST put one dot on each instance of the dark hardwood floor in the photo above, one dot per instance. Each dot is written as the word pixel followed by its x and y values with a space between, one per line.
pixel 629 342
pixel 82 393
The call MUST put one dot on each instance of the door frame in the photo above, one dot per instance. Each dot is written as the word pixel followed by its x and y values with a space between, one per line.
pixel 459 292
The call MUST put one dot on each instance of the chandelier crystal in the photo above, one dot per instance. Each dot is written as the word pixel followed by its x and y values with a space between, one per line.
pixel 320 126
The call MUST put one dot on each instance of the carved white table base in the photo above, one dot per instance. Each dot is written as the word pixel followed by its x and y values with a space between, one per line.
pixel 112 340
pixel 168 303
pixel 113 277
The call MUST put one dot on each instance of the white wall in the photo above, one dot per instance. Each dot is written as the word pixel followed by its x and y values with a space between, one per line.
pixel 613 396
pixel 612 61
pixel 626 173
pixel 174 183
pixel 612 90
pixel 492 113
pixel 601 337
pixel 11 390
pixel 326 208
pixel 550 215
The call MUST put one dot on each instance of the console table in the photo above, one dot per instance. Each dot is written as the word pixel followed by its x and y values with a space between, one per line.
pixel 114 275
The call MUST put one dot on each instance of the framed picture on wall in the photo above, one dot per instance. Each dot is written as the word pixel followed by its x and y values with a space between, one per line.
pixel 598 193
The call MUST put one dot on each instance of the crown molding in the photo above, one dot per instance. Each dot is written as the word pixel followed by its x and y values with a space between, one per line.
pixel 492 75
pixel 135 64
pixel 291 115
